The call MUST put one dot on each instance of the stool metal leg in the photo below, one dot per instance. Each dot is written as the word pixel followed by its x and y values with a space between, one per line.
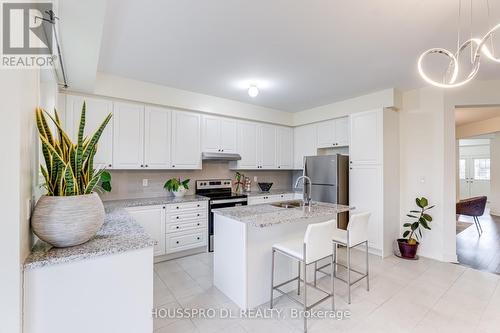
pixel 332 262
pixel 298 280
pixel 272 280
pixel 334 271
pixel 305 290
pixel 349 273
pixel 315 271
pixel 367 276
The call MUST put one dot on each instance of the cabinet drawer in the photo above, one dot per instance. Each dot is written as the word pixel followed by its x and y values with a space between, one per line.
pixel 182 226
pixel 182 216
pixel 185 240
pixel 187 206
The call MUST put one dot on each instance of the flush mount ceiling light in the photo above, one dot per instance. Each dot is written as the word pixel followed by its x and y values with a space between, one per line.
pixel 477 48
pixel 253 91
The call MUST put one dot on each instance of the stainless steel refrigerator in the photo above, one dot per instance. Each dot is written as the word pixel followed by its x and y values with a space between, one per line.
pixel 330 180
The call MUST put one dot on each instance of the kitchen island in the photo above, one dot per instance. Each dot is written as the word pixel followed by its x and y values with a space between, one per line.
pixel 244 237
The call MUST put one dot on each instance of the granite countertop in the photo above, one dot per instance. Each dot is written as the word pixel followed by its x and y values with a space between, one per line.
pixel 267 215
pixel 120 233
pixel 272 192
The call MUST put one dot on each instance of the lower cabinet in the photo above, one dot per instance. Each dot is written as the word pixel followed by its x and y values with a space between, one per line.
pixel 271 198
pixel 174 227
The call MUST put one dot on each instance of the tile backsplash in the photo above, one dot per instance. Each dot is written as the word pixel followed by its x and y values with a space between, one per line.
pixel 128 184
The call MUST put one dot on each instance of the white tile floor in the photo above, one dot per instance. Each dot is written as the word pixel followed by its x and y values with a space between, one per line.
pixel 404 296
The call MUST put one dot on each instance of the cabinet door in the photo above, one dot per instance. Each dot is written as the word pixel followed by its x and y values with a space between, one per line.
pixel 366 194
pixel 228 132
pixel 366 137
pixel 152 219
pixel 128 136
pixel 211 129
pixel 157 138
pixel 304 144
pixel 186 140
pixel 326 134
pixel 285 147
pixel 247 145
pixel 342 131
pixel 267 147
pixel 96 111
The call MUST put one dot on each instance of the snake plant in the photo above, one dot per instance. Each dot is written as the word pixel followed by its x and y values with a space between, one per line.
pixel 69 168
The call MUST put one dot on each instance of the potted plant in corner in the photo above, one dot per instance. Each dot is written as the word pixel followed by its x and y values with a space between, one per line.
pixel 408 245
pixel 177 186
pixel 71 212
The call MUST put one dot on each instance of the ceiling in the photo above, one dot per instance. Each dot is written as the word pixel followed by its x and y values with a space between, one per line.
pixel 301 53
pixel 467 115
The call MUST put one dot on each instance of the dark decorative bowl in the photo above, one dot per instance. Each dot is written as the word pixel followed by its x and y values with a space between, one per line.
pixel 265 187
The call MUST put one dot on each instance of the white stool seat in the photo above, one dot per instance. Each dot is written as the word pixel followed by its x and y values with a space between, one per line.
pixel 339 236
pixel 294 248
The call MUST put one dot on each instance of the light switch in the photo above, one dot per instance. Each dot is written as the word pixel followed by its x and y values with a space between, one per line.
pixel 422 180
pixel 144 182
pixel 255 179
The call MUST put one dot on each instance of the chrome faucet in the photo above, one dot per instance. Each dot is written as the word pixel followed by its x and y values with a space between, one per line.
pixel 306 195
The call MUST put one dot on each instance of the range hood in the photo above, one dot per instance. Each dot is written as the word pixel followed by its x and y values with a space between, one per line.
pixel 207 156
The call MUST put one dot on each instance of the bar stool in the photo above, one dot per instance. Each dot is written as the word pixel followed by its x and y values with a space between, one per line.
pixel 356 234
pixel 315 245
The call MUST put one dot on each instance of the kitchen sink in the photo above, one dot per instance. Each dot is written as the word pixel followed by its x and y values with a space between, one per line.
pixel 289 204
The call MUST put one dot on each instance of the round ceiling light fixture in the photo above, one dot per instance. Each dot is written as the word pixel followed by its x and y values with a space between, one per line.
pixel 253 91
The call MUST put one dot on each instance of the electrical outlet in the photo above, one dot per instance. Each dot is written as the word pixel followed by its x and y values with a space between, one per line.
pixel 145 182
pixel 255 179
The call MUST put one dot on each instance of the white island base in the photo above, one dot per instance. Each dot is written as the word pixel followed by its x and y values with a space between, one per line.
pixel 242 258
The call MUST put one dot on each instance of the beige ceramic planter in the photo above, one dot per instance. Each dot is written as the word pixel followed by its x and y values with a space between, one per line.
pixel 67 221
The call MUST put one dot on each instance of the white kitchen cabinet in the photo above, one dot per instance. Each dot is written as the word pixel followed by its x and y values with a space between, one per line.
pixel 157 138
pixel 304 144
pixel 218 134
pixel 266 148
pixel 96 111
pixel 284 147
pixel 333 133
pixel 367 134
pixel 186 140
pixel 152 219
pixel 374 174
pixel 247 146
pixel 270 198
pixel 128 135
pixel 186 226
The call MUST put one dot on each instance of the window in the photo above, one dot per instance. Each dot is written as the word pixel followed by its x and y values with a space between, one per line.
pixel 462 169
pixel 482 169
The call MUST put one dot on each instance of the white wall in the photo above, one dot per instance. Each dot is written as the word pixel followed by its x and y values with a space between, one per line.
pixel 495 175
pixel 20 93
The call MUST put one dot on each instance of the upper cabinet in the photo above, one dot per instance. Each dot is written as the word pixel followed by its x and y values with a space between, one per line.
pixel 186 140
pixel 157 138
pixel 247 145
pixel 96 111
pixel 304 144
pixel 128 136
pixel 266 147
pixel 284 147
pixel 332 133
pixel 218 134
pixel 366 142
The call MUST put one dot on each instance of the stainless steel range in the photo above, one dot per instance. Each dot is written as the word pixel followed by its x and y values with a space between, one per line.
pixel 221 195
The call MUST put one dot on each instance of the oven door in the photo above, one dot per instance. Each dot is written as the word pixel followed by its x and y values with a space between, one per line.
pixel 220 203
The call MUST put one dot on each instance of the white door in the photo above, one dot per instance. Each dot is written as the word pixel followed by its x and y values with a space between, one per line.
pixel 152 219
pixel 366 195
pixel 211 129
pixel 366 137
pixel 304 144
pixel 247 145
pixel 96 112
pixel 284 147
pixel 228 133
pixel 128 136
pixel 267 147
pixel 342 131
pixel 157 138
pixel 186 140
pixel 474 176
pixel 326 134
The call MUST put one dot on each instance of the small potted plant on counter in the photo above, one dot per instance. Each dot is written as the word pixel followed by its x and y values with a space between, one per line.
pixel 71 212
pixel 408 245
pixel 177 186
